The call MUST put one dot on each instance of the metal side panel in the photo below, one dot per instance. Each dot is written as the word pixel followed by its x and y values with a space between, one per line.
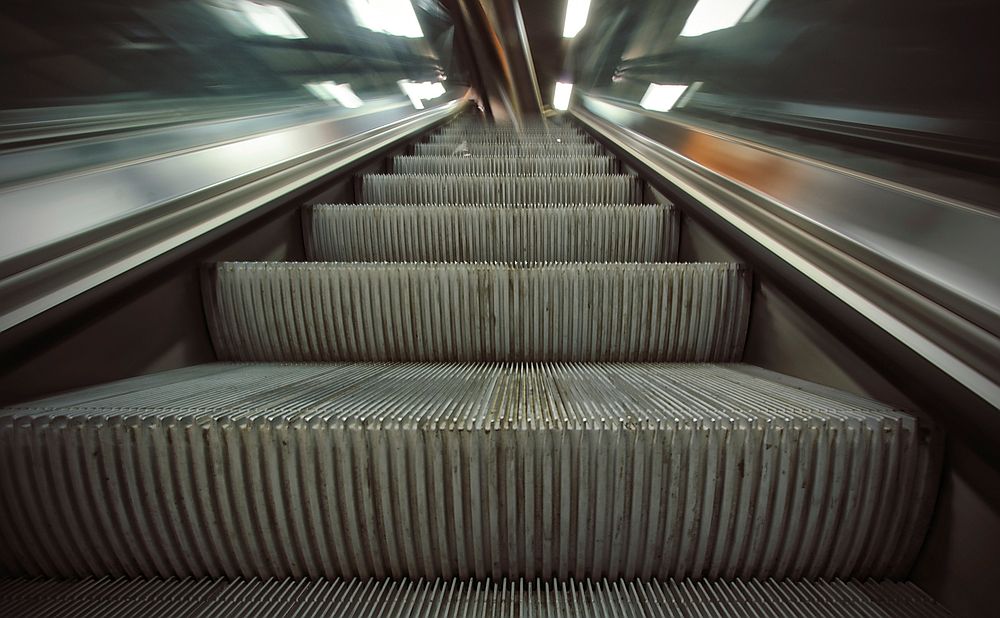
pixel 121 598
pixel 506 165
pixel 463 470
pixel 453 189
pixel 509 150
pixel 66 235
pixel 917 265
pixel 439 233
pixel 327 311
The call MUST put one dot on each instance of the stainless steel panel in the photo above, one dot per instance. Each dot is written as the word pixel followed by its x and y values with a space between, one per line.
pixel 66 235
pixel 119 598
pixel 918 265
pixel 509 233
pixel 463 470
pixel 444 189
pixel 273 311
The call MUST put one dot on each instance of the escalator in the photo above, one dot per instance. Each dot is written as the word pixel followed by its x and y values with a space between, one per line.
pixel 495 386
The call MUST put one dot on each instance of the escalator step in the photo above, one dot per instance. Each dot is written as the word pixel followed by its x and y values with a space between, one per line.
pixel 329 311
pixel 484 137
pixel 508 150
pixel 440 233
pixel 501 126
pixel 509 165
pixel 448 189
pixel 118 598
pixel 508 138
pixel 531 129
pixel 464 470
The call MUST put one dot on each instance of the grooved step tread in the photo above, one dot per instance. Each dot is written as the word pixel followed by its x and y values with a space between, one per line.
pixel 504 165
pixel 482 233
pixel 463 470
pixel 324 311
pixel 508 149
pixel 119 598
pixel 512 189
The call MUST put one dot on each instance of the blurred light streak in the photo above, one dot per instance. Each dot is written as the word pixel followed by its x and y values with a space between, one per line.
pixel 560 100
pixel 395 17
pixel 712 15
pixel 576 17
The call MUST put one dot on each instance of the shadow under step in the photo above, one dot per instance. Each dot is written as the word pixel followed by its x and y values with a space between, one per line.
pixel 329 311
pixel 464 470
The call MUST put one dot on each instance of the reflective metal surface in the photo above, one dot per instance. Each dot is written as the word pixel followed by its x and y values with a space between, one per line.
pixel 921 266
pixel 63 60
pixel 909 78
pixel 68 234
pixel 118 118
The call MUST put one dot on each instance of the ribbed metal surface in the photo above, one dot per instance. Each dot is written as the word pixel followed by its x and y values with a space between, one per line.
pixel 500 137
pixel 509 138
pixel 529 128
pixel 327 311
pixel 439 233
pixel 457 599
pixel 504 165
pixel 463 470
pixel 449 189
pixel 508 150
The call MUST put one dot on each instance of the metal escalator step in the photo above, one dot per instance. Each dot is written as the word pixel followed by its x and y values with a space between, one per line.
pixel 463 470
pixel 506 165
pixel 541 132
pixel 505 128
pixel 450 189
pixel 514 233
pixel 329 311
pixel 508 150
pixel 508 138
pixel 494 137
pixel 122 598
pixel 502 127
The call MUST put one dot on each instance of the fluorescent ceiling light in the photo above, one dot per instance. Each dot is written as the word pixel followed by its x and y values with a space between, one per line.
pixel 420 91
pixel 662 97
pixel 395 17
pixel 576 17
pixel 712 15
pixel 272 20
pixel 560 100
pixel 332 91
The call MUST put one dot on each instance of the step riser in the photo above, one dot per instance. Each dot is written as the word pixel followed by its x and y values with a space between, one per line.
pixel 563 137
pixel 498 139
pixel 531 129
pixel 436 472
pixel 456 599
pixel 508 150
pixel 462 312
pixel 441 189
pixel 501 166
pixel 373 233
